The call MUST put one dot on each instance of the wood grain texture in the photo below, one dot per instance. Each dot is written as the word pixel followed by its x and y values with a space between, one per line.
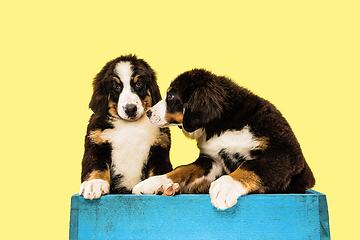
pixel 256 216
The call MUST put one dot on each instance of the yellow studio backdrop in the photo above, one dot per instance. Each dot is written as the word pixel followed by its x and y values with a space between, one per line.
pixel 303 56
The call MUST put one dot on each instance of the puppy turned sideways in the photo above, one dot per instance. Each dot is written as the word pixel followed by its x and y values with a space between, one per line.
pixel 122 147
pixel 246 145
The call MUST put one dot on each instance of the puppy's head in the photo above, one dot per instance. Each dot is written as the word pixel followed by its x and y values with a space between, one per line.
pixel 125 88
pixel 194 99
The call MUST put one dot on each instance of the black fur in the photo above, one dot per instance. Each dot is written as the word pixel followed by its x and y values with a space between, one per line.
pixel 216 104
pixel 104 85
pixel 98 153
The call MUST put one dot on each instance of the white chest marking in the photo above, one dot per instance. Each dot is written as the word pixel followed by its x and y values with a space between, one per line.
pixel 233 141
pixel 131 142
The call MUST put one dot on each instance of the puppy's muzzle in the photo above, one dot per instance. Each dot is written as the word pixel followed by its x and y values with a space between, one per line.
pixel 154 118
pixel 130 110
pixel 149 113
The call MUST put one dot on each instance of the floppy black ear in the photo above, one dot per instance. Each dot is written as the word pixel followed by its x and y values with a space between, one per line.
pixel 203 107
pixel 191 120
pixel 99 103
pixel 154 88
pixel 155 94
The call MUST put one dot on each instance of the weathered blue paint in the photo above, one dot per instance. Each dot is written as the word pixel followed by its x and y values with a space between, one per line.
pixel 255 216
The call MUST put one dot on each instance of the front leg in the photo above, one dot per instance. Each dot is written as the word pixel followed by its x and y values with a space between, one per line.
pixel 225 191
pixel 95 184
pixel 192 178
pixel 95 174
pixel 151 185
pixel 94 188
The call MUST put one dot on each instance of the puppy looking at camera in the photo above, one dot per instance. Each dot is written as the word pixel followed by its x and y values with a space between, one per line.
pixel 246 145
pixel 122 147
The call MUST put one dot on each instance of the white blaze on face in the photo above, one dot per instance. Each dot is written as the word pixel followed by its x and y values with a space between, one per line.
pixel 127 96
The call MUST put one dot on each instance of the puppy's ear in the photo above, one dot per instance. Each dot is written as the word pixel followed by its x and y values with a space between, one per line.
pixel 155 94
pixel 191 120
pixel 203 108
pixel 99 103
pixel 154 88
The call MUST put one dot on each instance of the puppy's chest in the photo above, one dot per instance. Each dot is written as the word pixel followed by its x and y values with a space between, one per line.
pixel 235 145
pixel 130 142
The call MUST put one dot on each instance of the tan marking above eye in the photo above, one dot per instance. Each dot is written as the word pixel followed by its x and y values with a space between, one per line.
pixel 116 79
pixel 136 78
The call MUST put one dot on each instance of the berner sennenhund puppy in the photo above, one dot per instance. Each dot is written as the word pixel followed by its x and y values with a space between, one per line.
pixel 122 147
pixel 246 145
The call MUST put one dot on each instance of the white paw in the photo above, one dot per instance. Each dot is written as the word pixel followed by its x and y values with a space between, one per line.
pixel 94 188
pixel 151 185
pixel 225 191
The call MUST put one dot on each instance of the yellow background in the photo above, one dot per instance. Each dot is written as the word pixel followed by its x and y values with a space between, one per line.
pixel 303 56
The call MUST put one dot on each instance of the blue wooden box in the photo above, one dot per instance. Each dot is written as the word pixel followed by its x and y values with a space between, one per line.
pixel 256 216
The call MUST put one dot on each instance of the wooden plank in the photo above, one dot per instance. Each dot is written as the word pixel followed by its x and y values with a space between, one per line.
pixel 256 216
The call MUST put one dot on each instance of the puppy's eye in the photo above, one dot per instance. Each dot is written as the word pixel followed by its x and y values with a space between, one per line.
pixel 117 87
pixel 138 85
pixel 117 84
pixel 169 97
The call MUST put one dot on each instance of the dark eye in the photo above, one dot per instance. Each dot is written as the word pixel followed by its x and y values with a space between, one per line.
pixel 138 85
pixel 169 97
pixel 117 87
pixel 117 84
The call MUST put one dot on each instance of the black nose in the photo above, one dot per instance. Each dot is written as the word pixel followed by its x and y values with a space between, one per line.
pixel 149 113
pixel 130 110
